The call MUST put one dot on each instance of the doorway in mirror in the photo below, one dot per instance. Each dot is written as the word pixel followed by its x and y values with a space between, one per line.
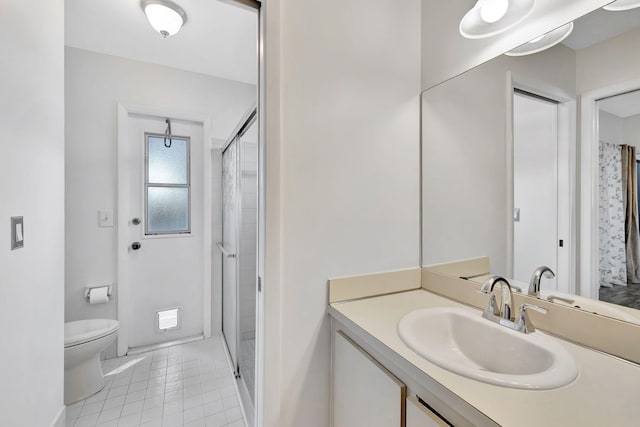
pixel 618 233
pixel 535 186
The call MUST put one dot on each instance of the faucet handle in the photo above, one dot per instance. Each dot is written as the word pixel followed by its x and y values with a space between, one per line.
pixel 524 320
pixel 552 298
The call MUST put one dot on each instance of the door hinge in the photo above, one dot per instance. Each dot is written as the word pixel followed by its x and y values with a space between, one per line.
pixel 259 284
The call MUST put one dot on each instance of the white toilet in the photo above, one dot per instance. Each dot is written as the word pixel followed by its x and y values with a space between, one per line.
pixel 83 342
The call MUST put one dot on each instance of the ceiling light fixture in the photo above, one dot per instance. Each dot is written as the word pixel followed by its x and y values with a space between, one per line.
pixel 491 17
pixel 543 42
pixel 620 5
pixel 164 16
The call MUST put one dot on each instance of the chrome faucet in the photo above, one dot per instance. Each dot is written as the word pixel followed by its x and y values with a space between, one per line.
pixel 534 284
pixel 504 318
pixel 524 324
pixel 507 297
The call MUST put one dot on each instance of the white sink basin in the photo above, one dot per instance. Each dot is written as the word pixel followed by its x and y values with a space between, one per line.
pixel 466 344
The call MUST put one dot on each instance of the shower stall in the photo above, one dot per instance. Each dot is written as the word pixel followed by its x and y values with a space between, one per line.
pixel 239 251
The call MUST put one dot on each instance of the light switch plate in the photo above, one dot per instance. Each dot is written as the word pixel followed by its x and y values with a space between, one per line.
pixel 17 232
pixel 105 218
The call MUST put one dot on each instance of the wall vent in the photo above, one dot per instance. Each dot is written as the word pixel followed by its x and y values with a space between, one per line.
pixel 168 319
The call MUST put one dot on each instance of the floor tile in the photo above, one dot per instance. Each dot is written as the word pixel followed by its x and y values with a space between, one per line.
pixel 132 420
pixel 114 402
pixel 216 420
pixel 192 414
pixel 87 421
pixel 213 408
pixel 109 414
pixel 91 408
pixel 233 414
pixel 186 385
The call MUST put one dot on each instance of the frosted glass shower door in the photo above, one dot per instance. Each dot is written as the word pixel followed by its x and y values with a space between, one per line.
pixel 229 247
pixel 247 257
pixel 240 254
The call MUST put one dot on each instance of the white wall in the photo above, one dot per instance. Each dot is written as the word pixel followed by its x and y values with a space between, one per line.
pixel 610 128
pixel 95 83
pixel 618 130
pixel 445 53
pixel 349 162
pixel 464 170
pixel 32 176
pixel 631 130
pixel 610 62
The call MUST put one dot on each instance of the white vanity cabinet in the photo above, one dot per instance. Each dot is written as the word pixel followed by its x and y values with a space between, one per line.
pixel 419 415
pixel 364 393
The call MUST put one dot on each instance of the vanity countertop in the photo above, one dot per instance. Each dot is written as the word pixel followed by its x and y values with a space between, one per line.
pixel 605 393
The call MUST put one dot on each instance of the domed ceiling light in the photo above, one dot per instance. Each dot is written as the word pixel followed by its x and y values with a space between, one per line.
pixel 164 16
pixel 620 5
pixel 491 17
pixel 543 42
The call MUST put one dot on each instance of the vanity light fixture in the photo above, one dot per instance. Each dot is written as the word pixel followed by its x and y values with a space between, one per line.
pixel 620 5
pixel 164 16
pixel 543 42
pixel 491 17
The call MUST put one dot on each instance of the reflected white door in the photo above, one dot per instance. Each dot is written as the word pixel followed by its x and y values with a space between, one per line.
pixel 165 230
pixel 230 220
pixel 535 186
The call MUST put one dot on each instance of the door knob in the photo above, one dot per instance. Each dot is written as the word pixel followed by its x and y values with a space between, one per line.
pixel 135 221
pixel 135 246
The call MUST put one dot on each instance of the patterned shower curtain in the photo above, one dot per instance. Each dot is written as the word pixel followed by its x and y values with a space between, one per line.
pixel 612 250
pixel 630 197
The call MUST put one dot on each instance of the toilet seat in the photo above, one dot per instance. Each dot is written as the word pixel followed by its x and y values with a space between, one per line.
pixel 83 331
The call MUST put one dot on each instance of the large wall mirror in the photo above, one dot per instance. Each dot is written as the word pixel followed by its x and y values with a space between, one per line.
pixel 533 160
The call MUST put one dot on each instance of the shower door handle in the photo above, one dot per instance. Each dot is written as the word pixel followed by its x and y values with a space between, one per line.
pixel 224 251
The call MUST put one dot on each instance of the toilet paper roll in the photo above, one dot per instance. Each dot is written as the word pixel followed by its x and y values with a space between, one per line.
pixel 99 295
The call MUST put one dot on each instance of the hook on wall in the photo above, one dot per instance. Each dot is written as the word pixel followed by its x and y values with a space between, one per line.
pixel 167 133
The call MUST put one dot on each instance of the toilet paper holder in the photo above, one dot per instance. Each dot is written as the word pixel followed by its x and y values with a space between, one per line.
pixel 87 290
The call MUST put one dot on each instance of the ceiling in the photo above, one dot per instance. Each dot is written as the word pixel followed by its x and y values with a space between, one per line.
pixel 218 39
pixel 601 25
pixel 625 105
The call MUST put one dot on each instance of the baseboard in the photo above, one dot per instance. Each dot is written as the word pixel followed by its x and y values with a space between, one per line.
pixel 60 420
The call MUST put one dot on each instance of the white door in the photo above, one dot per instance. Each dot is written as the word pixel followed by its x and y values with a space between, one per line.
pixel 230 220
pixel 165 230
pixel 535 187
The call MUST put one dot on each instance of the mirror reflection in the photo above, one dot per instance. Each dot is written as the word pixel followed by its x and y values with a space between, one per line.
pixel 504 149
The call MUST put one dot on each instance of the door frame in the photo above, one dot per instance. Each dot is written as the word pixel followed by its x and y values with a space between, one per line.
pixel 589 183
pixel 123 213
pixel 566 167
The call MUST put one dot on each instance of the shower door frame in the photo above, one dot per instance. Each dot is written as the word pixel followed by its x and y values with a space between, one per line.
pixel 123 214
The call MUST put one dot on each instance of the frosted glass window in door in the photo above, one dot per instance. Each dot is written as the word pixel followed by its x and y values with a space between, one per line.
pixel 167 165
pixel 167 210
pixel 167 185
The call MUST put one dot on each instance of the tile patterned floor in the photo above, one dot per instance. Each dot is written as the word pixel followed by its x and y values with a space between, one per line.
pixel 185 385
pixel 628 296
